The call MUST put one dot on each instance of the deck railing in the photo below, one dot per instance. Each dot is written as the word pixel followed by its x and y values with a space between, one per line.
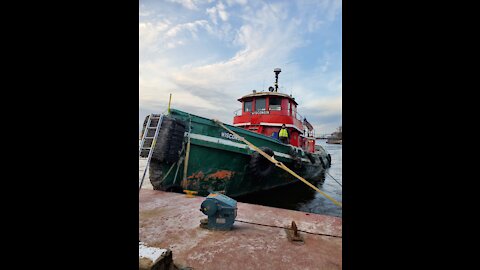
pixel 297 115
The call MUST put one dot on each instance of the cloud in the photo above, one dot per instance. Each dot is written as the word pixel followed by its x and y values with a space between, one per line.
pixel 217 11
pixel 189 4
pixel 324 106
pixel 155 36
pixel 208 60
pixel 191 27
pixel 212 12
pixel 334 8
pixel 214 87
pixel 144 13
pixel 260 51
pixel 222 12
pixel 234 2
pixel 324 113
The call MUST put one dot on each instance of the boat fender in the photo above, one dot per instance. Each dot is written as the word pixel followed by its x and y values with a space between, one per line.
pixel 311 157
pixel 155 174
pixel 323 163
pixel 329 158
pixel 259 166
pixel 297 161
pixel 170 140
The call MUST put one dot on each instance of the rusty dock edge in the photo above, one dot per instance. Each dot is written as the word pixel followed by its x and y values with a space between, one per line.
pixel 171 221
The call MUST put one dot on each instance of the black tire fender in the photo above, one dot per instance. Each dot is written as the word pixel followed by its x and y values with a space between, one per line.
pixel 297 161
pixel 310 157
pixel 259 165
pixel 169 141
pixel 155 175
pixel 323 163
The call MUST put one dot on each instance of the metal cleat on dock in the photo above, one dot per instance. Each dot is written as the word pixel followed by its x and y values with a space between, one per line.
pixel 293 235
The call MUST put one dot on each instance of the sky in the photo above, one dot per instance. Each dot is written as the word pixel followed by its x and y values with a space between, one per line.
pixel 209 53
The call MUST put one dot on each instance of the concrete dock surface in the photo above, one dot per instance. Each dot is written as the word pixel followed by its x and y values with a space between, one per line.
pixel 171 220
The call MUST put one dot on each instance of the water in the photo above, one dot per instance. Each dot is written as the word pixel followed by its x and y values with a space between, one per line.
pixel 297 196
pixel 301 197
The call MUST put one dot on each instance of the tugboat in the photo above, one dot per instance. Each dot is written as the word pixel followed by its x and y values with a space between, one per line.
pixel 196 154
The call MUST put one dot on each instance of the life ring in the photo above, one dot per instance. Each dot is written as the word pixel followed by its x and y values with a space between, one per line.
pixel 259 165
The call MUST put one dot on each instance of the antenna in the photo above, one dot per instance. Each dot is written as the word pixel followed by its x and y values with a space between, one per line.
pixel 277 71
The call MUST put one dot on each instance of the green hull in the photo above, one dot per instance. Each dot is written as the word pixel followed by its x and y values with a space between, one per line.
pixel 218 162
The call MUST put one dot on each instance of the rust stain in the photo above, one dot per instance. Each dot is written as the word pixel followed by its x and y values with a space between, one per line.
pixel 224 174
pixel 198 175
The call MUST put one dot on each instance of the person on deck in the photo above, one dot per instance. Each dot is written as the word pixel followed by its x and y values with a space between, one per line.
pixel 283 134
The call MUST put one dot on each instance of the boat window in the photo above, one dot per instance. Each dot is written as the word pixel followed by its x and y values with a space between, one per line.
pixel 260 104
pixel 289 108
pixel 247 106
pixel 275 104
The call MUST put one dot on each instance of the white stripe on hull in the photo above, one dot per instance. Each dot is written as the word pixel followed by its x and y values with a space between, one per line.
pixel 234 144
pixel 269 124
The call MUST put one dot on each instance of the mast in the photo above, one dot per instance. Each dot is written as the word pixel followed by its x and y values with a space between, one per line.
pixel 277 71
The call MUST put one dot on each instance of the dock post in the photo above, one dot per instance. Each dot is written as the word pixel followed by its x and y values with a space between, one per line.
pixel 169 101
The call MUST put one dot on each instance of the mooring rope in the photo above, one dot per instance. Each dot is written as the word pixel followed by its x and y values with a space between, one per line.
pixel 273 226
pixel 187 155
pixel 169 170
pixel 333 178
pixel 278 163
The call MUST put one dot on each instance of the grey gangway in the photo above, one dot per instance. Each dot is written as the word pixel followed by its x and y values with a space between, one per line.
pixel 147 144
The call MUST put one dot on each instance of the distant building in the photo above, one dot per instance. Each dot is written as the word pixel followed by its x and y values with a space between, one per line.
pixel 335 137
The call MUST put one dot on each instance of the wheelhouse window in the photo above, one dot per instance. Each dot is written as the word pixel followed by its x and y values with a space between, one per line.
pixel 260 104
pixel 289 112
pixel 247 106
pixel 275 104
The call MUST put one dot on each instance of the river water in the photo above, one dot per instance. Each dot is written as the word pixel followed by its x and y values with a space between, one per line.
pixel 297 196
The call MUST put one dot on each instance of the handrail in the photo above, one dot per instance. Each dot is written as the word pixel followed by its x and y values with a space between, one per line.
pixel 297 115
pixel 294 114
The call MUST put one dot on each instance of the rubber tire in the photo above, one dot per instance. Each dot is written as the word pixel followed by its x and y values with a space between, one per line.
pixel 169 141
pixel 329 158
pixel 155 174
pixel 310 157
pixel 297 161
pixel 260 167
pixel 323 163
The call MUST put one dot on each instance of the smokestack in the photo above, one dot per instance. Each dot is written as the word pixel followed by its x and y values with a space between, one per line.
pixel 277 71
